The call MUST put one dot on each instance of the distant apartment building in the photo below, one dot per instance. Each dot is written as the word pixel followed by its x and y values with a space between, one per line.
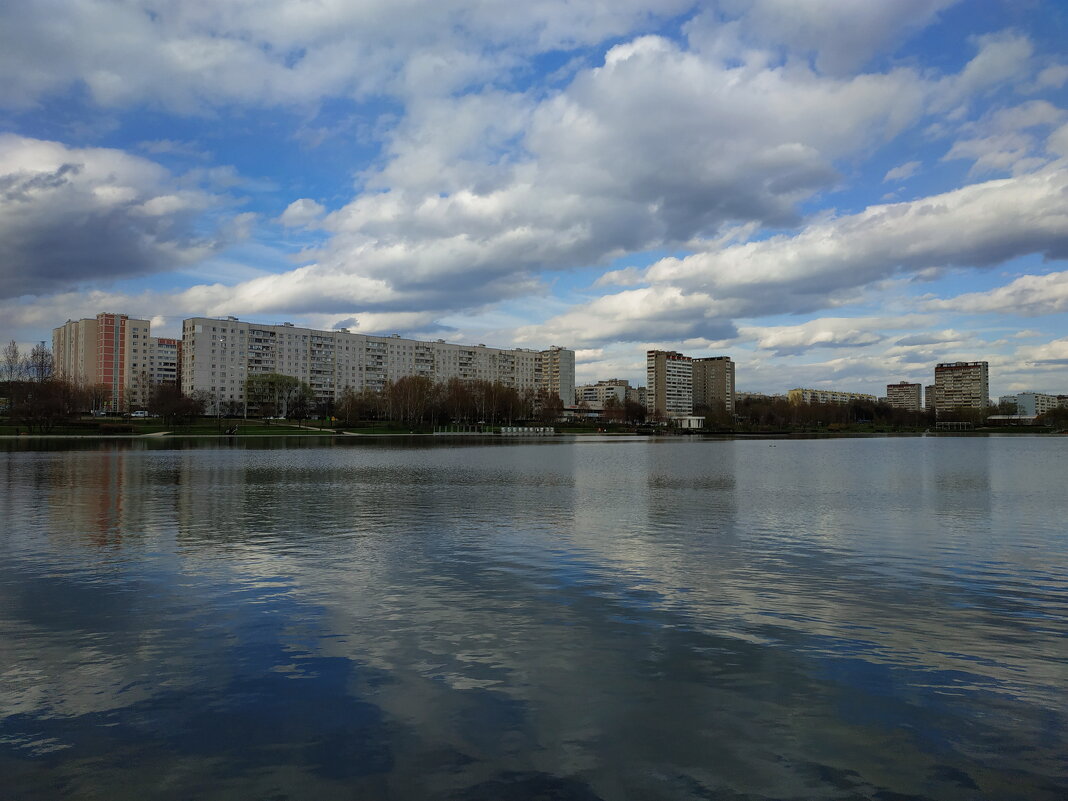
pixel 1032 404
pixel 904 395
pixel 595 396
pixel 670 383
pixel 929 397
pixel 219 355
pixel 800 395
pixel 961 385
pixel 713 382
pixel 555 372
pixel 756 396
pixel 117 352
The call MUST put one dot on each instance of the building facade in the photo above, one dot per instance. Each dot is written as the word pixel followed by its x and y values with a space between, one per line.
pixel 670 383
pixel 219 355
pixel 1032 404
pixel 800 395
pixel 961 385
pixel 904 395
pixel 555 372
pixel 118 352
pixel 595 396
pixel 713 382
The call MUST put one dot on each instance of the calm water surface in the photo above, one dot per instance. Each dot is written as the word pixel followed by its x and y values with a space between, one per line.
pixel 594 619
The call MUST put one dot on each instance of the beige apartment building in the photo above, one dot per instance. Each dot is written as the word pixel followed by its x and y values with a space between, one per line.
pixel 800 395
pixel 118 352
pixel 904 395
pixel 218 355
pixel 713 382
pixel 555 372
pixel 961 385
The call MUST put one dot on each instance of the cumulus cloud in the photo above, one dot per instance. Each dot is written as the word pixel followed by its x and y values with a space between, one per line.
pixel 976 226
pixel 1027 296
pixel 654 147
pixel 69 215
pixel 635 315
pixel 1004 139
pixel 301 213
pixel 191 56
pixel 825 332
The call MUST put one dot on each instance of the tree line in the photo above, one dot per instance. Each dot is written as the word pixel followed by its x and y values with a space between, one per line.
pixel 411 400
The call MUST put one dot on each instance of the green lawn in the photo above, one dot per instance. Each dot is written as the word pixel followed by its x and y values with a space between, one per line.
pixel 116 427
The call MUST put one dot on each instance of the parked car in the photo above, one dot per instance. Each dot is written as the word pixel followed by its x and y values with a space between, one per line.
pixel 139 413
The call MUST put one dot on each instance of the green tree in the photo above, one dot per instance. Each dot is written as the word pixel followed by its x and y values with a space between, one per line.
pixel 276 394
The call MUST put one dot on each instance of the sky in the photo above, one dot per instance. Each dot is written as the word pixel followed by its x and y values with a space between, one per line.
pixel 834 194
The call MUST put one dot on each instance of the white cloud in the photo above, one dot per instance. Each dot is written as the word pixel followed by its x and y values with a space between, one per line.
pixel 1051 355
pixel 301 213
pixel 1027 296
pixel 842 36
pixel 192 56
pixel 824 332
pixel 902 171
pixel 652 148
pixel 1001 58
pixel 1004 139
pixel 978 225
pixel 633 315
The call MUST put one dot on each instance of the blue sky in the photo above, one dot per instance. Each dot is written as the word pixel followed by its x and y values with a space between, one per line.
pixel 835 194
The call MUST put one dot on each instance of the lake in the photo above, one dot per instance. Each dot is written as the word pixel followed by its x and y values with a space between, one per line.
pixel 588 618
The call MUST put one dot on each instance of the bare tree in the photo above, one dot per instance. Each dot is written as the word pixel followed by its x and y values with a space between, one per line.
pixel 11 362
pixel 40 364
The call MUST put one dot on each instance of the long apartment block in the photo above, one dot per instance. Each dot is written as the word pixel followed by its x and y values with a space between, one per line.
pixel 219 355
pixel 802 395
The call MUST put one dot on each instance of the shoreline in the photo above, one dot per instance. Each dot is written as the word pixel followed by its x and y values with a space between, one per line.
pixel 165 436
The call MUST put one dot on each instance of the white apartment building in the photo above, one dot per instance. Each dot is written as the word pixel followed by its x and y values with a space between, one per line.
pixel 800 395
pixel 1032 404
pixel 218 355
pixel 670 383
pixel 596 395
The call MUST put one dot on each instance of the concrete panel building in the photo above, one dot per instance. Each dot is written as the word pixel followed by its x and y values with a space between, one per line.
pixel 713 382
pixel 904 395
pixel 116 351
pixel 219 355
pixel 1032 404
pixel 929 397
pixel 800 395
pixel 595 396
pixel 961 385
pixel 555 372
pixel 670 383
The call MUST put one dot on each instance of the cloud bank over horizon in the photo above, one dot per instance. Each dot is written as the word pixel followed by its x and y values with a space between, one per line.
pixel 831 194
